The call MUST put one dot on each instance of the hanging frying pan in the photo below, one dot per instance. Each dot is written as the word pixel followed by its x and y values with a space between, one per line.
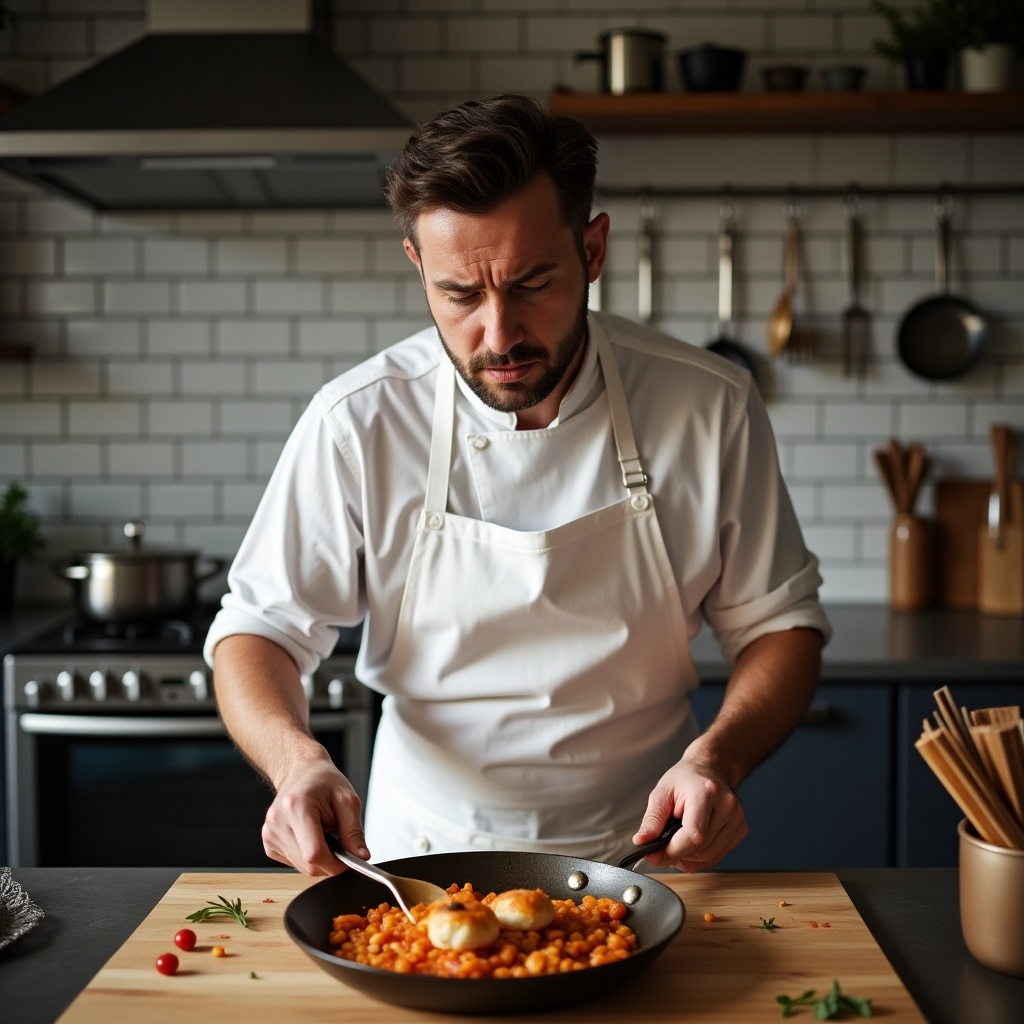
pixel 724 344
pixel 942 337
pixel 655 915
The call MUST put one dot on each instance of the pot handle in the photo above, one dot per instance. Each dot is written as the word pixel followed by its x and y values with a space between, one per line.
pixel 70 570
pixel 638 853
pixel 217 563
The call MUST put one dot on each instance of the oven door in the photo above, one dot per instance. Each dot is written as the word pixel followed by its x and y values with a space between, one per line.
pixel 149 790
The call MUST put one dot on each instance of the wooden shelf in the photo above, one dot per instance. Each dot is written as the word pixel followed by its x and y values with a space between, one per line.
pixel 797 112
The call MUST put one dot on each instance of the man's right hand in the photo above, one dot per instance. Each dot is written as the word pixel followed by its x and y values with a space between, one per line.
pixel 313 797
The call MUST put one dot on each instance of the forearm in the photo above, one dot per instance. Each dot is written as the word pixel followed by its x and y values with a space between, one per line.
pixel 262 704
pixel 770 688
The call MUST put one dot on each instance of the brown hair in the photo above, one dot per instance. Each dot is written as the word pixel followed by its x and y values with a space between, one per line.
pixel 476 155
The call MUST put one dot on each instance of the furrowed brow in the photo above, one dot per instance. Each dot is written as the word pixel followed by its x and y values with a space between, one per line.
pixel 536 271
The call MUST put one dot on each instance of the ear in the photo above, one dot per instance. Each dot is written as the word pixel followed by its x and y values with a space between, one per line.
pixel 595 245
pixel 410 251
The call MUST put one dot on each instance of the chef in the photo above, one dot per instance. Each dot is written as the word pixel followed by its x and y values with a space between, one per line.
pixel 532 509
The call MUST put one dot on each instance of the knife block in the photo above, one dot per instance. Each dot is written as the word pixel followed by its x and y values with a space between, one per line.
pixel 911 563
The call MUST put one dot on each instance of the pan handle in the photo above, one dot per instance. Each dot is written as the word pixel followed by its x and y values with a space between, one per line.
pixel 942 215
pixel 725 277
pixel 641 851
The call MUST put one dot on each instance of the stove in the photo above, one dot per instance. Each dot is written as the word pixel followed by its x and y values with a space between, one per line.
pixel 115 750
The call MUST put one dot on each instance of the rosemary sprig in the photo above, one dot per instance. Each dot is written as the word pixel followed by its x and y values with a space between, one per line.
pixel 834 1004
pixel 223 909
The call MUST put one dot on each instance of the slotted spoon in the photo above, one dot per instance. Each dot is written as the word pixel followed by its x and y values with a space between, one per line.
pixel 407 891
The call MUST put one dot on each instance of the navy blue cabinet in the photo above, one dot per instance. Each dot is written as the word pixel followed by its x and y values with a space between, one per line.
pixel 824 800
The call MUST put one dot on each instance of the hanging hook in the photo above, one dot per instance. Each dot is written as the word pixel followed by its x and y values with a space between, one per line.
pixel 793 210
pixel 725 207
pixel 852 202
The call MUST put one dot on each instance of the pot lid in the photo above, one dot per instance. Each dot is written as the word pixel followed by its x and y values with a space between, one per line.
pixel 133 551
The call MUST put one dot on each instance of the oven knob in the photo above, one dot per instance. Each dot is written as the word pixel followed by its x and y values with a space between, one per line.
pixel 336 693
pixel 66 685
pixel 307 686
pixel 32 693
pixel 98 685
pixel 132 685
pixel 200 688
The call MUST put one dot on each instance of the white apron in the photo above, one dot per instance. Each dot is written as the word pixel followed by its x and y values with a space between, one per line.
pixel 535 686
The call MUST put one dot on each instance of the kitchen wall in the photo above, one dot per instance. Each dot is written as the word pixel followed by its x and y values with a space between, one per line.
pixel 172 353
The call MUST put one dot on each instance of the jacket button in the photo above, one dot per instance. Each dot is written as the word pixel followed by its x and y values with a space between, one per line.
pixel 478 442
pixel 422 843
pixel 640 502
pixel 434 521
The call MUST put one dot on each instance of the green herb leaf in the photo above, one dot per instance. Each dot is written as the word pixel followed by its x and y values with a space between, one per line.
pixel 831 1006
pixel 768 924
pixel 223 909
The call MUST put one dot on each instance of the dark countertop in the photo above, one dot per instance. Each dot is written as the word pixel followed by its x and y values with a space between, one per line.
pixel 90 912
pixel 869 643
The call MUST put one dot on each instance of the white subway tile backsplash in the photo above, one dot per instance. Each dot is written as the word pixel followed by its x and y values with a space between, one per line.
pixel 120 297
pixel 250 256
pixel 181 417
pixel 222 459
pixel 78 378
pixel 66 459
pixel 212 297
pixel 181 500
pixel 179 338
pixel 140 378
pixel 96 257
pixel 103 419
pixel 256 418
pixel 174 351
pixel 280 378
pixel 252 337
pixel 185 256
pixel 93 339
pixel 105 500
pixel 227 377
pixel 141 459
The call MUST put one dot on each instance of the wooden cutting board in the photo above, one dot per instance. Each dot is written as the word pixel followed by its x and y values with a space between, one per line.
pixel 729 970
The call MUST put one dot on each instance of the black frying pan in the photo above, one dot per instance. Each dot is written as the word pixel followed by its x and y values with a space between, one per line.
pixel 723 343
pixel 943 336
pixel 656 916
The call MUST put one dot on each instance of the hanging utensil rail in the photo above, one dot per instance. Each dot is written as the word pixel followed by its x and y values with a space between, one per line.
pixel 805 191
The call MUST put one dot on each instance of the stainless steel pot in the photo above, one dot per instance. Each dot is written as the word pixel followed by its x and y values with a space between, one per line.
pixel 135 583
pixel 632 60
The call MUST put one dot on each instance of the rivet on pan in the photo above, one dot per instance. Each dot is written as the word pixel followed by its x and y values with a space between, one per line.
pixel 578 880
pixel 631 894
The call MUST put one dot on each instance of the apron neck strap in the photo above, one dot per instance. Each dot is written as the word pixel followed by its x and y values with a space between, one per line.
pixel 441 438
pixel 634 479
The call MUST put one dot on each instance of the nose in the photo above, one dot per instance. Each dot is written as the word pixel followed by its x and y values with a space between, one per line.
pixel 502 328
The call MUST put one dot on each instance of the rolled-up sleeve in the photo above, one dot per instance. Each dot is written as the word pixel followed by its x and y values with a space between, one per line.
pixel 296 575
pixel 769 580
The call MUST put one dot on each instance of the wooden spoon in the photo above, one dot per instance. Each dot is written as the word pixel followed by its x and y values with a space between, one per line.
pixel 780 322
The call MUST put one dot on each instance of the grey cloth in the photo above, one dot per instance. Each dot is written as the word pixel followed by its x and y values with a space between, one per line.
pixel 18 914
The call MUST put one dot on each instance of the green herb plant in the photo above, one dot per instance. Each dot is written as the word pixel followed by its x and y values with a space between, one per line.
pixel 768 924
pixel 834 1005
pixel 19 528
pixel 928 30
pixel 223 909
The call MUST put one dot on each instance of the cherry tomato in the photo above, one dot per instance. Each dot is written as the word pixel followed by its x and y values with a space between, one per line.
pixel 185 939
pixel 167 963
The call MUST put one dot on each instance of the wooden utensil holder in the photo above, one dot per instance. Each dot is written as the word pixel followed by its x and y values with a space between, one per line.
pixel 911 563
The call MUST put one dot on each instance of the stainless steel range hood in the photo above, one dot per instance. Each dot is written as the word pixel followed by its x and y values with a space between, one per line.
pixel 223 104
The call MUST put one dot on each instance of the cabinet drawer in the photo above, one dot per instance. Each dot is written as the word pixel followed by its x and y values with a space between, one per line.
pixel 823 800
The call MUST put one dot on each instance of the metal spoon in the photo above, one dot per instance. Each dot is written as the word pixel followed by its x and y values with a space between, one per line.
pixel 780 322
pixel 407 891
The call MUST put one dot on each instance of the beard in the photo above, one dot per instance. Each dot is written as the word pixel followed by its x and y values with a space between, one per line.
pixel 519 395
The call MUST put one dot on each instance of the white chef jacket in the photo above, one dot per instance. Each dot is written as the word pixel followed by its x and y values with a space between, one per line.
pixel 330 542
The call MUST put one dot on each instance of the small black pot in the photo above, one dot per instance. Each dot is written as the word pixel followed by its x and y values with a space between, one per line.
pixel 926 73
pixel 711 68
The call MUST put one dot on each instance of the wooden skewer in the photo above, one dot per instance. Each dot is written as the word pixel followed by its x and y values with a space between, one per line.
pixel 971 790
pixel 1002 753
pixel 952 717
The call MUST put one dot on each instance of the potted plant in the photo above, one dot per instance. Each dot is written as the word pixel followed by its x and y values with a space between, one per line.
pixel 19 539
pixel 991 34
pixel 921 39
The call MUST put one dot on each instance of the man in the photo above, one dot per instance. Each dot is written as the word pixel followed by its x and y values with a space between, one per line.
pixel 531 509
